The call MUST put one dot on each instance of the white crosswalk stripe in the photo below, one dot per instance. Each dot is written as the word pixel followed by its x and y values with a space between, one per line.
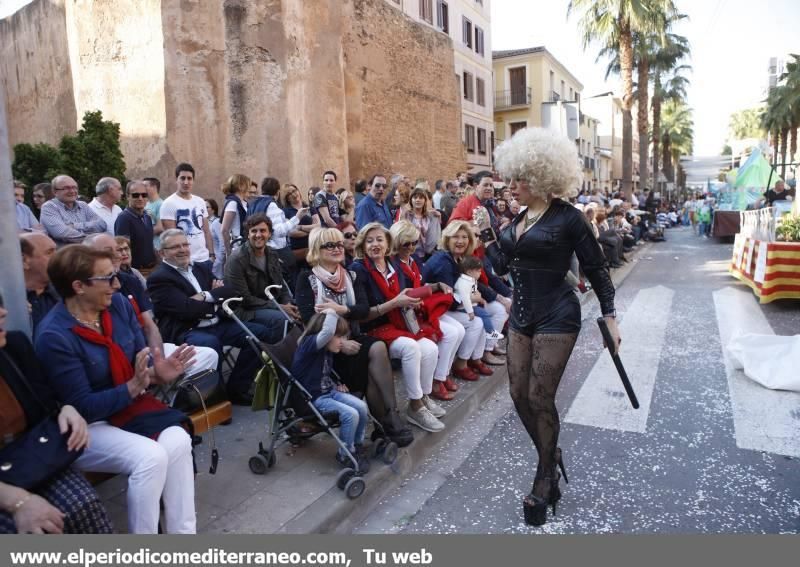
pixel 601 401
pixel 764 420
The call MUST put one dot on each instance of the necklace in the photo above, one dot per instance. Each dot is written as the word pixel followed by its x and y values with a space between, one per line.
pixel 95 324
pixel 533 219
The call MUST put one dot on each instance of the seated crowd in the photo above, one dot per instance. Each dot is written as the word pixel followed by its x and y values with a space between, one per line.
pixel 123 299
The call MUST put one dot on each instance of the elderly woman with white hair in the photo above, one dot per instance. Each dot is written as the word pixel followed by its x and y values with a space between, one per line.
pixel 536 249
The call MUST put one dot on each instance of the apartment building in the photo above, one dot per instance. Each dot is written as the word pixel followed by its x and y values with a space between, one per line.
pixel 467 23
pixel 527 82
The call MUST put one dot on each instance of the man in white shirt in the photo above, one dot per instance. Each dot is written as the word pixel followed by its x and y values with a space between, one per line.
pixel 108 192
pixel 438 194
pixel 188 212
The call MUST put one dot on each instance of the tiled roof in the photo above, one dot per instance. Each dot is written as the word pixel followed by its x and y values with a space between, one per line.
pixel 514 52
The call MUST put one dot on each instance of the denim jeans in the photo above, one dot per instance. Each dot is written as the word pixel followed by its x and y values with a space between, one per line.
pixel 488 326
pixel 353 415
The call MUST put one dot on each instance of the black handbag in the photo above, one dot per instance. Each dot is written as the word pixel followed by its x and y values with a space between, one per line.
pixel 39 453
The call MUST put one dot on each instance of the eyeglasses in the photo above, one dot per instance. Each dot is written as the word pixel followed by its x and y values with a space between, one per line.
pixel 349 235
pixel 108 279
pixel 332 245
pixel 66 188
pixel 410 244
pixel 138 195
pixel 379 185
pixel 123 250
pixel 174 246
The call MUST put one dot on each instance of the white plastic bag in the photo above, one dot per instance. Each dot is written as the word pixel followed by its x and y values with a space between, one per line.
pixel 770 360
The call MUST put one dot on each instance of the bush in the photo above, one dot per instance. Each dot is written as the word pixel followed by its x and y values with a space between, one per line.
pixel 91 153
pixel 789 229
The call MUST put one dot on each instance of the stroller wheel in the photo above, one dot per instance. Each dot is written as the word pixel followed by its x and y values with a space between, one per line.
pixel 344 477
pixel 258 464
pixel 378 447
pixel 390 453
pixel 355 487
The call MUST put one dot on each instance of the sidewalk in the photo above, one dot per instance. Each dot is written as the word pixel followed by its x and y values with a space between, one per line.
pixel 298 495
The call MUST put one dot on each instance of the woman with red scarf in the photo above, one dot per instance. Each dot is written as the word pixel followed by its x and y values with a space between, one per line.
pixel 97 362
pixel 448 331
pixel 392 319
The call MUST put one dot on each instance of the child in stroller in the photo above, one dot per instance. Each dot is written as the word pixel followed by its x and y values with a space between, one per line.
pixel 312 366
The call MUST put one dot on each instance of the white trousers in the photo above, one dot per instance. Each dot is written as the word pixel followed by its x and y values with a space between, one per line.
pixel 418 359
pixel 499 315
pixel 452 336
pixel 155 469
pixel 204 358
pixel 474 342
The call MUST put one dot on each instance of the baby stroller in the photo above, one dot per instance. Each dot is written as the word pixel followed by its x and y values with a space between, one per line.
pixel 293 406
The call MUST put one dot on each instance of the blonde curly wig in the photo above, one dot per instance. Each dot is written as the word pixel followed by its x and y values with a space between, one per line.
pixel 547 160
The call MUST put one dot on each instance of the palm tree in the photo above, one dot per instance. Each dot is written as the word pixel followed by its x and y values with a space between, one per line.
pixel 667 60
pixel 746 124
pixel 778 118
pixel 613 23
pixel 791 79
pixel 677 135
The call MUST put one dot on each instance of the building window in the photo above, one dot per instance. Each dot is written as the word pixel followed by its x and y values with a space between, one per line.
pixel 482 141
pixel 480 87
pixel 467 31
pixel 570 93
pixel 469 138
pixel 426 10
pixel 443 11
pixel 563 92
pixel 517 126
pixel 469 92
pixel 479 41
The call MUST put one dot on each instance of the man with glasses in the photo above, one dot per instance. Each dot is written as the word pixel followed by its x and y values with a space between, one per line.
pixel 136 224
pixel 372 207
pixel 108 193
pixel 186 299
pixel 66 219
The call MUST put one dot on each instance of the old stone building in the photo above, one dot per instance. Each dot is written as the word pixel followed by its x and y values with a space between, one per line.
pixel 281 87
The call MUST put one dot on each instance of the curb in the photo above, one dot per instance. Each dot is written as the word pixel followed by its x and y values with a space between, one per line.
pixel 333 512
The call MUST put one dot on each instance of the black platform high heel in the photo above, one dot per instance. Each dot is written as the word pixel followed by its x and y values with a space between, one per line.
pixel 534 507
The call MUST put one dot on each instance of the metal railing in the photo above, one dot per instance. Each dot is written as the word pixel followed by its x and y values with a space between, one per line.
pixel 515 97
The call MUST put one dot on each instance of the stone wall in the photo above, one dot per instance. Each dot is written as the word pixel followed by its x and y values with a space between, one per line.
pixel 288 88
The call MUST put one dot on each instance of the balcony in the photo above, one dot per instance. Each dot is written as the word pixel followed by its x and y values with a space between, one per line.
pixel 509 99
pixel 554 96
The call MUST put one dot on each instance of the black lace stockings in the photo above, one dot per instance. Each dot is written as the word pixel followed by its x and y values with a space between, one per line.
pixel 535 367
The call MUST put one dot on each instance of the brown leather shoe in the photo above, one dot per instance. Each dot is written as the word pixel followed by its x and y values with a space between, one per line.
pixel 493 359
pixel 451 385
pixel 480 367
pixel 440 392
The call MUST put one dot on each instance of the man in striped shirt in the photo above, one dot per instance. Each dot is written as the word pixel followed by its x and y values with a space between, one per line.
pixel 67 220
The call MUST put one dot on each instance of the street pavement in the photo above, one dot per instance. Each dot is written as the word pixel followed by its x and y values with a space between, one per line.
pixel 709 451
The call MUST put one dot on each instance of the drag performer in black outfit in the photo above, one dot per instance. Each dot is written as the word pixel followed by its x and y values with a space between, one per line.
pixel 545 316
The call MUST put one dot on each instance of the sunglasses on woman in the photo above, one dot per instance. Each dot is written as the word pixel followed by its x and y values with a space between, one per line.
pixel 410 244
pixel 349 234
pixel 108 279
pixel 332 245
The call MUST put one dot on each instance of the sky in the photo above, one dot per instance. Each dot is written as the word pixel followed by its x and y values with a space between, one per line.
pixel 731 40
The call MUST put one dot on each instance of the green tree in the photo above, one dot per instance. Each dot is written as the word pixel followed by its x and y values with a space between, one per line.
pixel 745 124
pixel 35 163
pixel 677 137
pixel 612 23
pixel 93 152
pixel 780 118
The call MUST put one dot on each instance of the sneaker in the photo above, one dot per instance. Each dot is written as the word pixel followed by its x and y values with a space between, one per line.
pixel 495 335
pixel 345 462
pixel 436 410
pixel 424 419
pixel 493 359
pixel 499 351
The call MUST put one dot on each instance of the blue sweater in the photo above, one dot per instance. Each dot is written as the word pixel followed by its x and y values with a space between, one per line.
pixel 308 365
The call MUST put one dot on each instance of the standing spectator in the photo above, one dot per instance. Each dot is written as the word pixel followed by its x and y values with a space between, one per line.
pixel 449 199
pixel 514 207
pixel 326 202
pixel 234 212
pixel 66 219
pixel 153 207
pixel 42 192
pixel 188 212
pixel 438 194
pixel 372 207
pixel 361 190
pixel 218 267
pixel 26 221
pixel 37 249
pixel 347 207
pixel 108 193
pixel 281 226
pixel 291 200
pixel 253 193
pixel 135 224
pixel 426 221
